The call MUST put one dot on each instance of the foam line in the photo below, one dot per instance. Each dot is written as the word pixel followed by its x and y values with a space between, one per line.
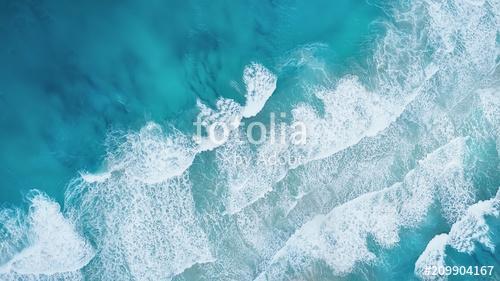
pixel 153 156
pixel 339 238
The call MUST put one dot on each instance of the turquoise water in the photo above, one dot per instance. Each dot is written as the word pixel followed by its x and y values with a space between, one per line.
pixel 73 72
pixel 104 177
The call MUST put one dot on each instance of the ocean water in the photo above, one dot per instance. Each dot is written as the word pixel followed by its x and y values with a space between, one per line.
pixel 106 177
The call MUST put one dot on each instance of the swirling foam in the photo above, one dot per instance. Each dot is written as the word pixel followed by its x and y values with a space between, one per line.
pixel 142 231
pixel 141 215
pixel 260 84
pixel 141 210
pixel 152 156
pixel 468 232
pixel 53 249
pixel 340 237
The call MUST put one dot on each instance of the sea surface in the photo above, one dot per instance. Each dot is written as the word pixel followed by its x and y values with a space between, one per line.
pixel 105 175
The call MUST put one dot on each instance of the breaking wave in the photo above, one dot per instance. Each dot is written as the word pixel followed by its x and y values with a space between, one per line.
pixel 409 145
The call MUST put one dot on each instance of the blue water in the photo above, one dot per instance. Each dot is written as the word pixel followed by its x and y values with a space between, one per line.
pixel 73 72
pixel 102 178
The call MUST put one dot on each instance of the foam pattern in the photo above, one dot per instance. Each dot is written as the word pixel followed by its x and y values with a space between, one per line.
pixel 412 139
pixel 466 235
pixel 260 84
pixel 138 211
pixel 350 110
pixel 340 237
pixel 51 248
pixel 413 103
pixel 151 228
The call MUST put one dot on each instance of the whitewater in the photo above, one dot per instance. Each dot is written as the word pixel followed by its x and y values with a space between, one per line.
pixel 400 171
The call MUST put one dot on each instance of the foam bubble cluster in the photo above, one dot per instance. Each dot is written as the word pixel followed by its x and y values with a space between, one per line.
pixel 469 232
pixel 400 151
pixel 340 237
pixel 50 246
pixel 260 84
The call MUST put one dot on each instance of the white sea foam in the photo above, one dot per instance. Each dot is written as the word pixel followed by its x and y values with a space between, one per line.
pixel 404 79
pixel 260 84
pixel 141 213
pixel 150 156
pixel 472 228
pixel 218 123
pixel 404 82
pixel 340 237
pixel 53 250
pixel 150 228
pixel 240 176
pixel 350 113
pixel 95 177
pixel 141 209
pixel 13 229
pixel 434 255
pixel 153 156
pixel 465 234
pixel 490 101
pixel 465 29
pixel 349 110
